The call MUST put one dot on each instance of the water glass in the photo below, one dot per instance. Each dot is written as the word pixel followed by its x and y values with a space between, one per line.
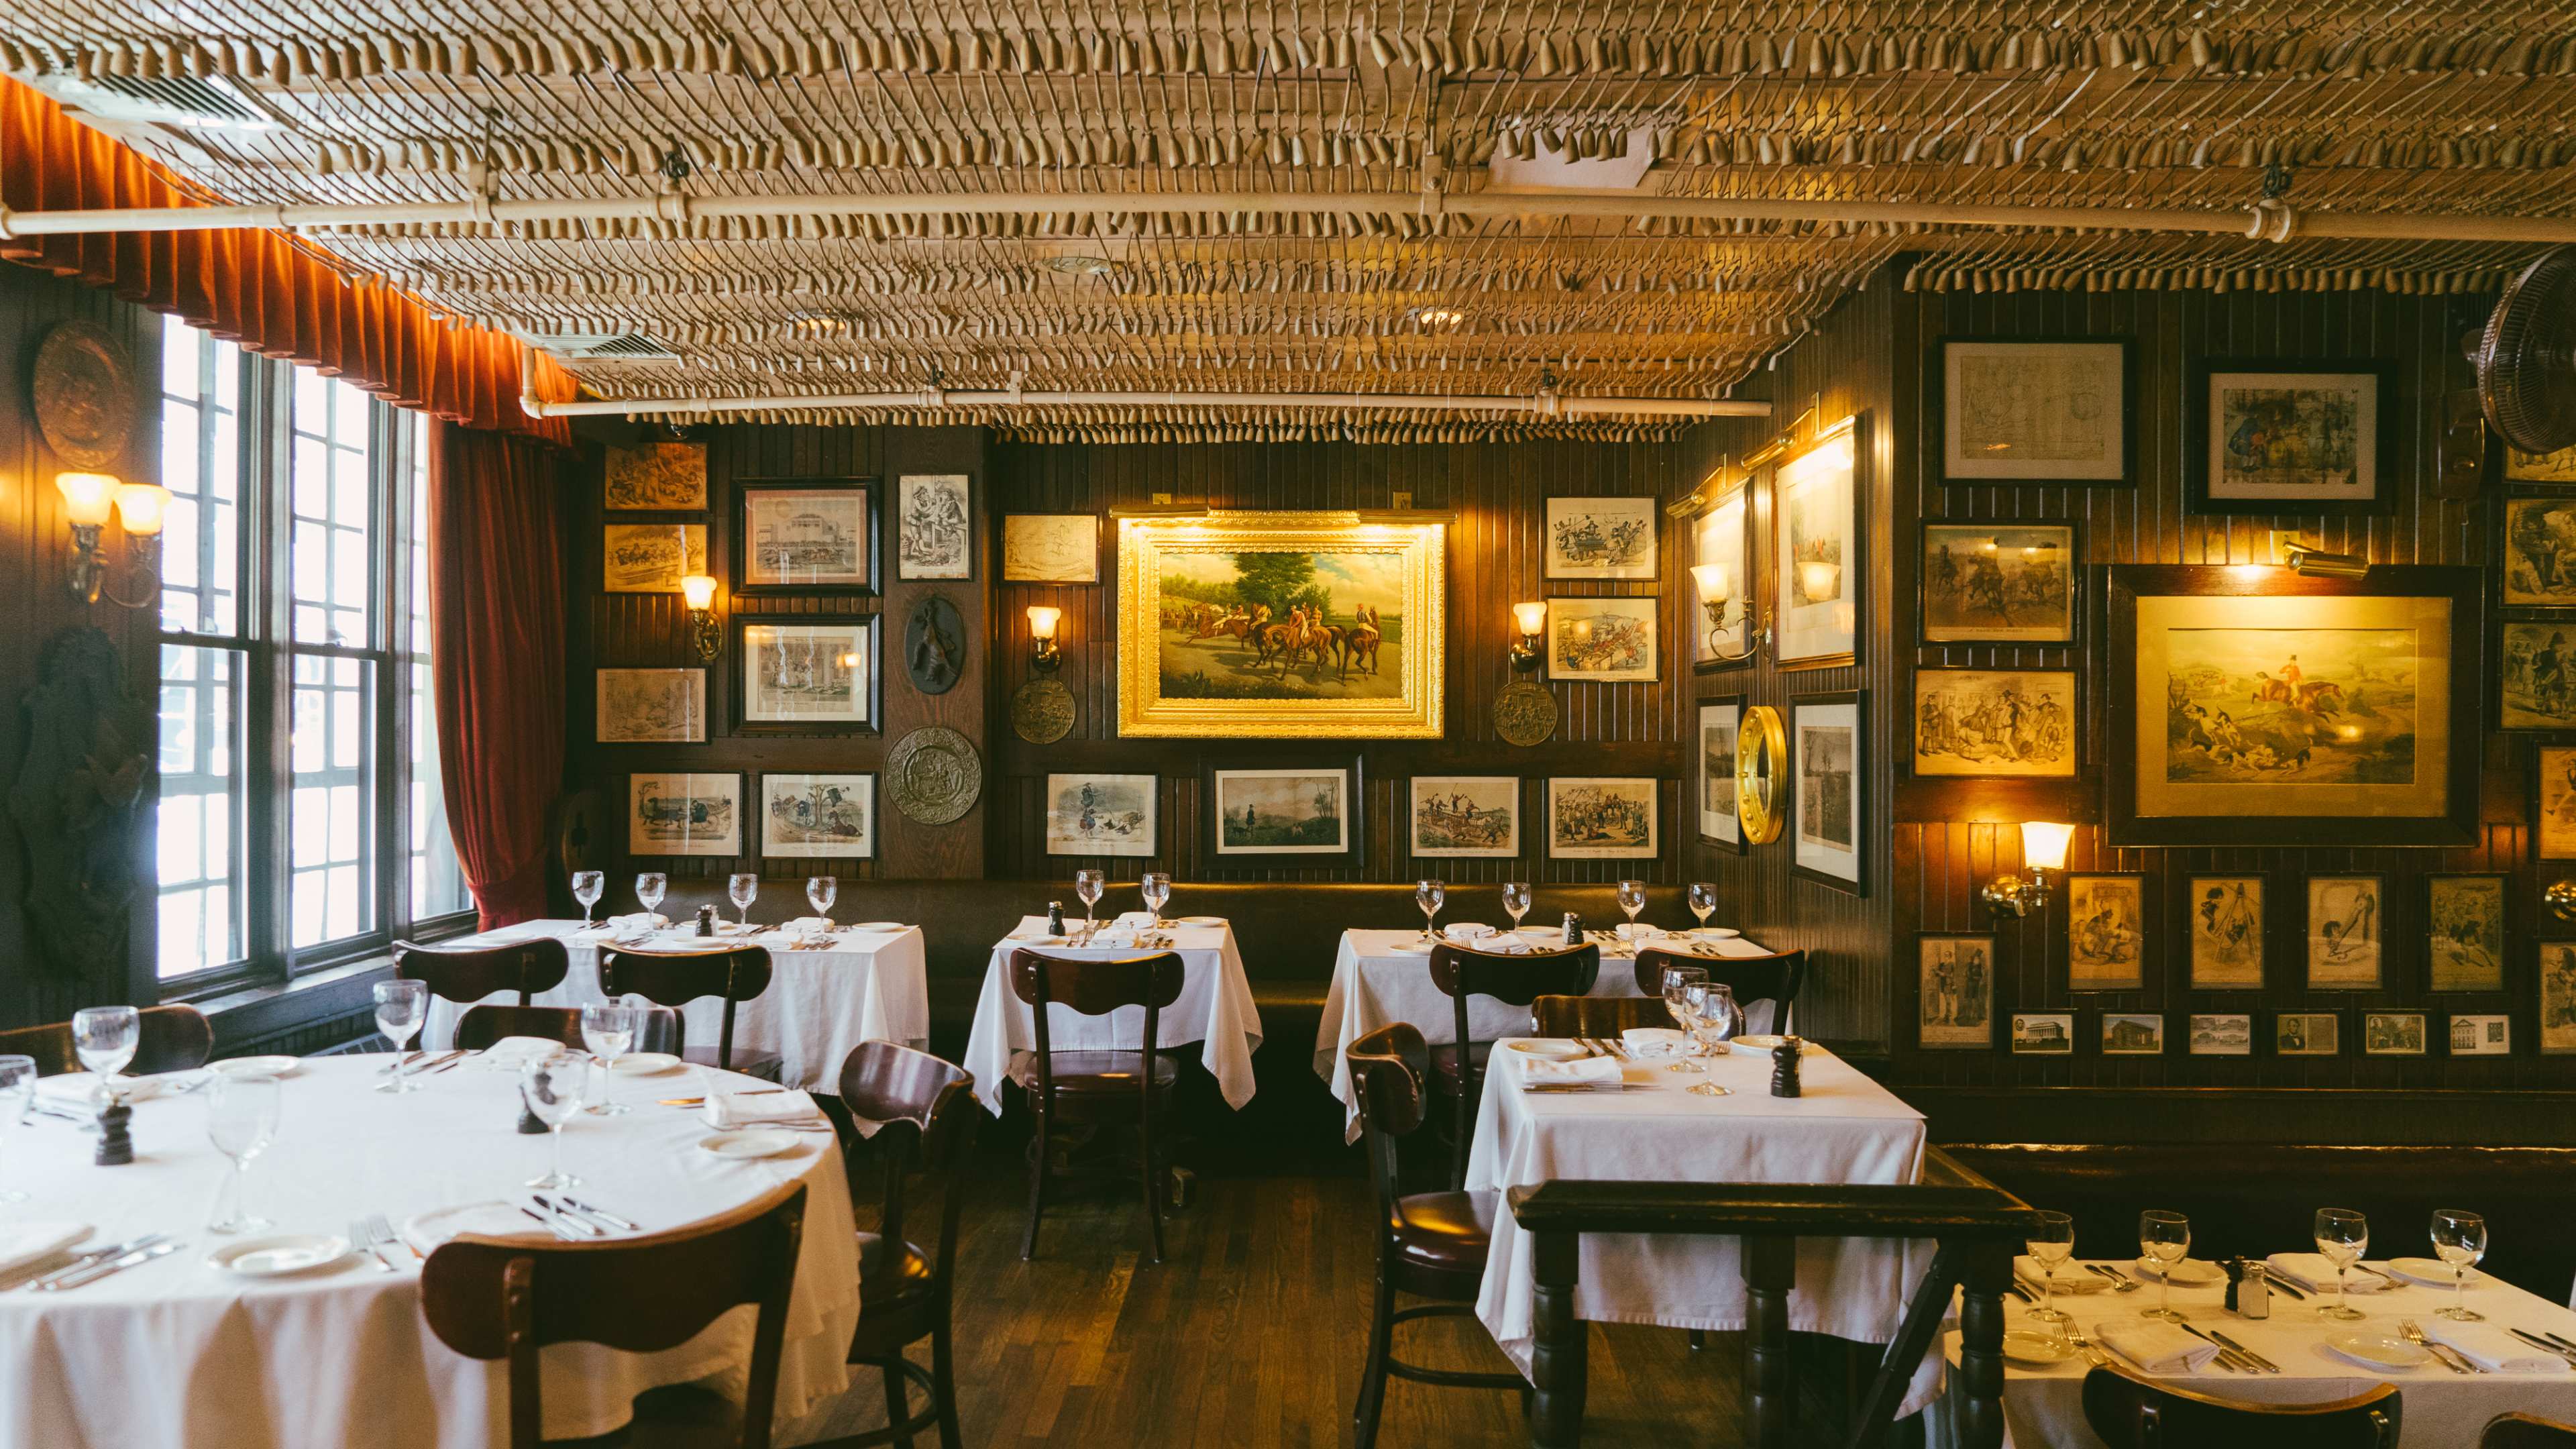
pixel 650 887
pixel 608 1029
pixel 1678 980
pixel 1632 899
pixel 1703 901
pixel 2342 1236
pixel 1516 901
pixel 587 887
pixel 554 1089
pixel 742 888
pixel 2051 1240
pixel 1156 889
pixel 820 892
pixel 1088 885
pixel 17 1098
pixel 2459 1239
pixel 400 1008
pixel 105 1037
pixel 241 1121
pixel 1720 1020
pixel 1429 894
pixel 2165 1237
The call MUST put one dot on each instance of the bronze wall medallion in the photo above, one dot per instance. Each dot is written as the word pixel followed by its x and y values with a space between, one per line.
pixel 83 391
pixel 1042 711
pixel 934 775
pixel 1524 713
pixel 934 645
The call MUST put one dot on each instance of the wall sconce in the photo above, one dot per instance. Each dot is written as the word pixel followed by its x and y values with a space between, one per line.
pixel 88 499
pixel 2304 557
pixel 700 592
pixel 2561 899
pixel 1711 579
pixel 2043 849
pixel 1531 619
pixel 1045 655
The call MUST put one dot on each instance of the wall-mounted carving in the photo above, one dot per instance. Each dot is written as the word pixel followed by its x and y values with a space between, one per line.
pixel 82 387
pixel 78 803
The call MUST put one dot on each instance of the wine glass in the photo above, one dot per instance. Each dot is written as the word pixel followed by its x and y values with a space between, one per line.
pixel 1430 894
pixel 1516 901
pixel 105 1038
pixel 650 887
pixel 1156 888
pixel 1703 901
pixel 2342 1236
pixel 400 1005
pixel 2459 1239
pixel 241 1121
pixel 554 1087
pixel 608 1029
pixel 1632 899
pixel 1721 1019
pixel 587 887
pixel 2165 1237
pixel 17 1097
pixel 1087 887
pixel 742 888
pixel 1678 980
pixel 820 892
pixel 2051 1240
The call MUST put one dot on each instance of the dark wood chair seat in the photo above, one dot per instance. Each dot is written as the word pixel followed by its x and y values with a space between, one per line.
pixel 1445 1232
pixel 167 1039
pixel 1595 1016
pixel 1516 980
pixel 2526 1431
pixel 1120 1088
pixel 2131 1413
pixel 926 1115
pixel 890 1270
pixel 1096 1072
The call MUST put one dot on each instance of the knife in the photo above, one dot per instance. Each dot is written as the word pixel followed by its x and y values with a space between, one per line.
pixel 2227 1357
pixel 96 1271
pixel 554 1227
pixel 2544 1345
pixel 91 1256
pixel 604 1215
pixel 565 1209
pixel 2267 1365
pixel 2558 1338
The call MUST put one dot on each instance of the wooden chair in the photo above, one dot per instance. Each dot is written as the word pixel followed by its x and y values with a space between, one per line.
pixel 483 1025
pixel 675 979
pixel 468 974
pixel 1429 1245
pixel 1458 1067
pixel 1091 1086
pixel 1774 978
pixel 1595 1016
pixel 167 1039
pixel 926 1113
pixel 2131 1413
pixel 2525 1431
pixel 490 1298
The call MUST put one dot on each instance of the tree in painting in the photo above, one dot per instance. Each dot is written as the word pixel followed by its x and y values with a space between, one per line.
pixel 1280 625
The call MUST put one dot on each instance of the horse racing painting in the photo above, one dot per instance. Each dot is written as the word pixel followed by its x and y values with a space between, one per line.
pixel 1466 816
pixel 1987 583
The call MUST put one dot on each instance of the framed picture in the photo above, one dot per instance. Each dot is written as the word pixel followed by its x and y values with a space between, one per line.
pixel 2307 1034
pixel 818 817
pixel 2540 552
pixel 2481 1036
pixel 801 675
pixel 806 538
pixel 1722 540
pixel 1050 548
pixel 932 532
pixel 1998 583
pixel 2263 707
pixel 1826 741
pixel 652 706
pixel 2270 436
pixel 1610 640
pixel 2226 930
pixel 1460 817
pixel 2224 1034
pixel 2009 723
pixel 1100 815
pixel 2346 922
pixel 2553 779
pixel 2464 932
pixel 1297 814
pixel 2106 939
pixel 1817 558
pixel 1955 999
pixel 650 558
pixel 2133 1034
pixel 2522 467
pixel 2392 1033
pixel 2557 975
pixel 1280 626
pixel 1601 538
pixel 1719 720
pixel 1601 820
pixel 2034 411
pixel 684 814
pixel 2536 683
pixel 661 477
pixel 2043 1033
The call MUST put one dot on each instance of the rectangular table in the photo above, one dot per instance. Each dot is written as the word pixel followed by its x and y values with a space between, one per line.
pixel 1214 1008
pixel 864 986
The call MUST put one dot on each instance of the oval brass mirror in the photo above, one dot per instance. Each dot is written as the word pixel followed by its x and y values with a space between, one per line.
pixel 1761 761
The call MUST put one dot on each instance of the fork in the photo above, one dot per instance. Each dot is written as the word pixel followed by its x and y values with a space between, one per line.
pixel 381 1231
pixel 2084 1345
pixel 2119 1282
pixel 2450 1357
pixel 363 1236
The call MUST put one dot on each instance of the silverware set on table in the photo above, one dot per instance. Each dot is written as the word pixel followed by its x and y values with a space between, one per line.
pixel 89 1265
pixel 573 1220
pixel 1593 1046
pixel 374 1234
pixel 429 1064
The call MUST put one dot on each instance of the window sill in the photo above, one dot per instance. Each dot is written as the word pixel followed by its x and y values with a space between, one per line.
pixel 269 1008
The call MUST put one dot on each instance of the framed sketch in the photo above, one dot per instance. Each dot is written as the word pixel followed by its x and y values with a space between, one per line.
pixel 684 814
pixel 2392 1033
pixel 2043 1033
pixel 2481 1036
pixel 2347 921
pixel 1050 548
pixel 1297 814
pixel 1719 720
pixel 1998 583
pixel 2464 932
pixel 2133 1034
pixel 2557 997
pixel 1817 559
pixel 2106 939
pixel 2226 930
pixel 2034 411
pixel 2553 779
pixel 1601 819
pixel 2539 550
pixel 652 706
pixel 2536 677
pixel 2222 1034
pixel 1601 538
pixel 1722 540
pixel 666 477
pixel 2522 467
pixel 818 817
pixel 2263 707
pixel 1610 640
pixel 1100 815
pixel 2006 723
pixel 932 531
pixel 2307 1034
pixel 1826 741
pixel 2267 436
pixel 800 675
pixel 1459 817
pixel 805 538
pixel 1955 998
pixel 650 558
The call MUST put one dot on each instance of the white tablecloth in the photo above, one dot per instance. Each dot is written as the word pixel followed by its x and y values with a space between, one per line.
pixel 866 986
pixel 2044 1406
pixel 1378 980
pixel 1215 1008
pixel 176 1354
pixel 1845 1129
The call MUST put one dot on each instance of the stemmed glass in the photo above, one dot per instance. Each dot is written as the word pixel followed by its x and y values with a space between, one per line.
pixel 587 887
pixel 2051 1240
pixel 1156 888
pixel 17 1097
pixel 1087 887
pixel 1430 894
pixel 2459 1239
pixel 608 1029
pixel 1632 899
pixel 554 1088
pixel 1703 901
pixel 2342 1236
pixel 1714 1021
pixel 742 888
pixel 400 1005
pixel 241 1121
pixel 1678 980
pixel 820 892
pixel 2165 1237
pixel 105 1037
pixel 650 887
pixel 1516 901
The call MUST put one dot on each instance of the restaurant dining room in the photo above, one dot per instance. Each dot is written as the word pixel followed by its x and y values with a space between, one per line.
pixel 1340 723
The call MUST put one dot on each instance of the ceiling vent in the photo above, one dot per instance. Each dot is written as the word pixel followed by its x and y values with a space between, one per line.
pixel 606 347
pixel 209 102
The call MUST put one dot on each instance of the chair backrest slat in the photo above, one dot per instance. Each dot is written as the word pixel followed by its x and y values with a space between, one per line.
pixel 483 1025
pixel 677 978
pixel 1389 1068
pixel 168 1039
pixel 1094 988
pixel 2526 1431
pixel 926 1117
pixel 1599 1016
pixel 1774 978
pixel 468 974
pixel 2130 1413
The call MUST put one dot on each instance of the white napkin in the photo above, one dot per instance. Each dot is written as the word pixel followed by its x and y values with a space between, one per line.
pixel 25 1243
pixel 1501 944
pixel 638 921
pixel 739 1109
pixel 806 926
pixel 1652 1041
pixel 493 1219
pixel 1587 1070
pixel 2312 1272
pixel 514 1052
pixel 1134 918
pixel 1467 931
pixel 2070 1277
pixel 2489 1347
pixel 2159 1348
pixel 80 1089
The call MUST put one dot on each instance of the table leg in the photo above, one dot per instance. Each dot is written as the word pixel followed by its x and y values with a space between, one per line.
pixel 1770 1380
pixel 1557 1344
pixel 1987 1271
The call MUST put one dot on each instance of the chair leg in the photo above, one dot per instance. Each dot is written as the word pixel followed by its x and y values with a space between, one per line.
pixel 943 1380
pixel 898 1402
pixel 1381 1345
pixel 1039 1152
pixel 1151 1160
pixel 1698 1340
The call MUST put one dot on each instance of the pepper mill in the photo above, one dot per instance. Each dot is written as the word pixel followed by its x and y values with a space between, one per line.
pixel 706 920
pixel 1573 929
pixel 1055 918
pixel 115 1145
pixel 1784 1067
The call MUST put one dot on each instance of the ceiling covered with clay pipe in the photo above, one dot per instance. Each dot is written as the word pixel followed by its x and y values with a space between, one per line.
pixel 1304 193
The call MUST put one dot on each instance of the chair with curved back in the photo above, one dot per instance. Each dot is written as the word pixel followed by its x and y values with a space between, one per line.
pixel 1458 1066
pixel 1594 1016
pixel 676 978
pixel 467 974
pixel 483 1025
pixel 1080 1086
pixel 167 1039
pixel 1429 1245
pixel 1774 978
pixel 2526 1431
pixel 924 1115
pixel 2131 1413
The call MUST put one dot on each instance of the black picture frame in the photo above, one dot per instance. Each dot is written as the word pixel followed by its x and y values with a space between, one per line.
pixel 1738 703
pixel 2509 925
pixel 871 552
pixel 2196 437
pixel 1354 793
pixel 2499 642
pixel 1858 699
pixel 1924 633
pixel 1936 377
pixel 871 625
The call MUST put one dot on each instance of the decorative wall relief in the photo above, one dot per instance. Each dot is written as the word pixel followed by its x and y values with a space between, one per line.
pixel 934 775
pixel 78 802
pixel 82 389
pixel 934 645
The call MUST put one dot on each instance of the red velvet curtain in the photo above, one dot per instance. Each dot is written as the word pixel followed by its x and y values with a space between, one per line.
pixel 496 615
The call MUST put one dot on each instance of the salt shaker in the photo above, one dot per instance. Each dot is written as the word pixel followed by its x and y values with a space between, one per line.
pixel 1573 929
pixel 2251 1294
pixel 1055 918
pixel 1784 1067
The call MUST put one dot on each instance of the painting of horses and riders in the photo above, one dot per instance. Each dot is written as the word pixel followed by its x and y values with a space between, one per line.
pixel 1989 584
pixel 1280 625
pixel 2311 706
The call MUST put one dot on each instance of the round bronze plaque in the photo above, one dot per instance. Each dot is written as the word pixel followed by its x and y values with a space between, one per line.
pixel 1042 711
pixel 1524 713
pixel 934 775
pixel 83 391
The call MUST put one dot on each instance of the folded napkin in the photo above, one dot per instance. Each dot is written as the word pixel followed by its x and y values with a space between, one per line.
pixel 1586 1070
pixel 2157 1347
pixel 80 1089
pixel 1652 1041
pixel 1134 918
pixel 806 926
pixel 493 1219
pixel 2071 1278
pixel 1467 931
pixel 742 1109
pixel 515 1052
pixel 2311 1271
pixel 637 921
pixel 2489 1347
pixel 25 1243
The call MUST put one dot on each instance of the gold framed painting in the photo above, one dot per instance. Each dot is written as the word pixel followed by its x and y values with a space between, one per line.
pixel 1280 626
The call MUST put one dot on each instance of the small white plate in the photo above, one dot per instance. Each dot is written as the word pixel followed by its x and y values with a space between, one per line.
pixel 1718 933
pixel 645 1064
pixel 1410 948
pixel 2431 1272
pixel 279 1254
pixel 758 1143
pixel 2023 1346
pixel 2190 1272
pixel 1201 920
pixel 2378 1350
pixel 1763 1041
pixel 1551 1049
pixel 254 1069
pixel 880 926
